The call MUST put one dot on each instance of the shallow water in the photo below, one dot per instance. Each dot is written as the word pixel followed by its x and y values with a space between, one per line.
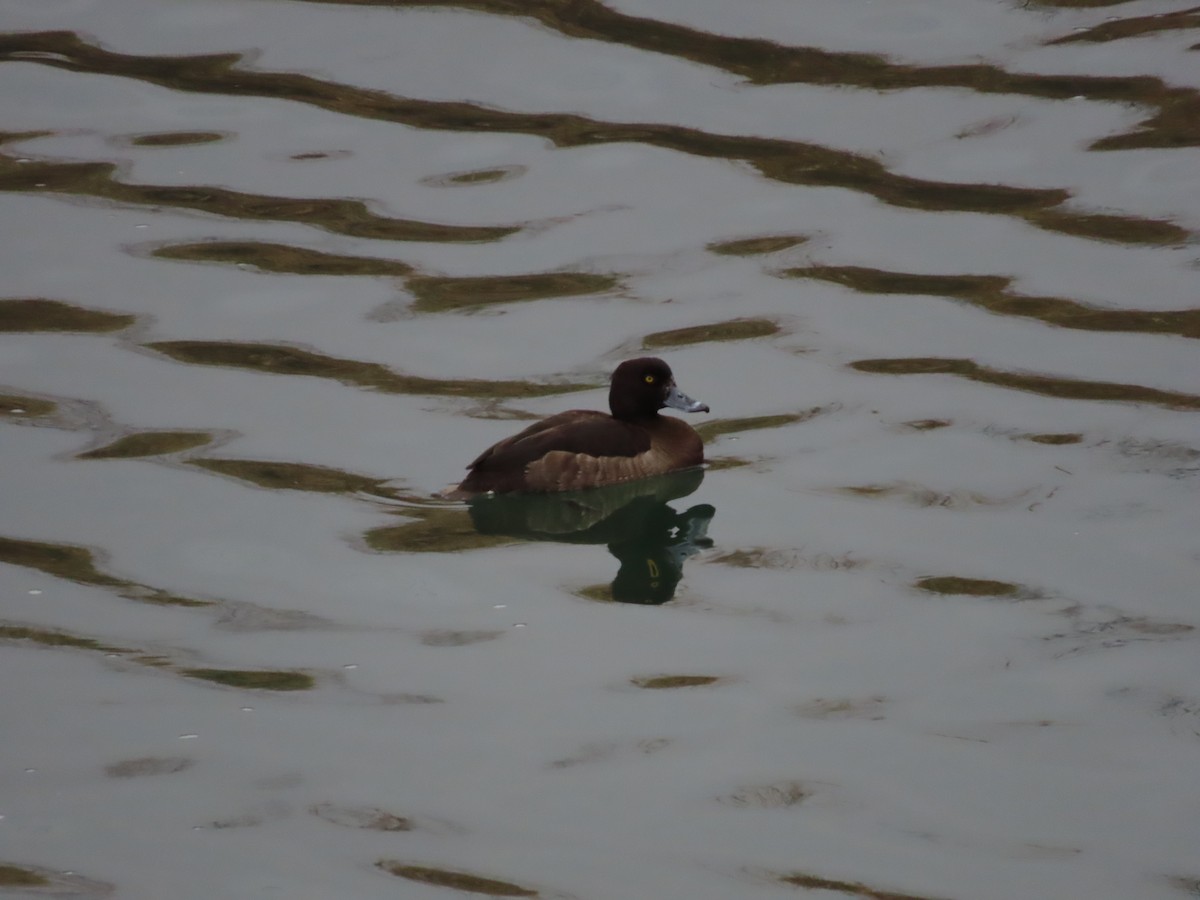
pixel 273 272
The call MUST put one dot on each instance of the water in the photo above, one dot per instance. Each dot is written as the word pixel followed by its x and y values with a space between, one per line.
pixel 273 272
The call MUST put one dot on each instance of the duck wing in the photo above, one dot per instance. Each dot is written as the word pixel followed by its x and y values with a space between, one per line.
pixel 575 431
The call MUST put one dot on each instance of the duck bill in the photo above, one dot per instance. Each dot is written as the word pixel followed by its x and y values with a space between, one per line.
pixel 677 399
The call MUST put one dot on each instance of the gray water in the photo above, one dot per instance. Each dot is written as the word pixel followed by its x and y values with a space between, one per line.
pixel 273 272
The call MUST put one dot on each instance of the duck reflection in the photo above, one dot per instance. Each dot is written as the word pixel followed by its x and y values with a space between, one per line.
pixel 649 538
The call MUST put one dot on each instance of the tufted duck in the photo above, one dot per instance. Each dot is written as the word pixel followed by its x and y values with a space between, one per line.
pixel 582 448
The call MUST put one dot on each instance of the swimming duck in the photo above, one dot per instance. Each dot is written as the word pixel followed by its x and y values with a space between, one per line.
pixel 583 448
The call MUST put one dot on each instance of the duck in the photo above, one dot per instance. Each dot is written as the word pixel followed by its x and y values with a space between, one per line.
pixel 582 448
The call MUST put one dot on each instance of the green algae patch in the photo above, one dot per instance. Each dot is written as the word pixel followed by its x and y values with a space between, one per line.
pixel 436 294
pixel 33 315
pixel 757 246
pixel 296 476
pixel 246 679
pixel 879 281
pixel 758 60
pixel 709 431
pixel 870 490
pixel 339 216
pixel 157 596
pixel 18 877
pixel 1173 123
pixel 475 176
pixel 811 882
pixel 1046 385
pixel 60 560
pixel 176 138
pixel 282 258
pixel 1113 229
pixel 1134 26
pixel 1054 439
pixel 459 881
pixel 78 564
pixel 336 215
pixel 731 330
pixel 19 407
pixel 435 530
pixel 669 682
pixel 919 365
pixel 992 293
pixel 49 638
pixel 480 176
pixel 149 443
pixel 277 359
pixel 973 587
pixel 250 679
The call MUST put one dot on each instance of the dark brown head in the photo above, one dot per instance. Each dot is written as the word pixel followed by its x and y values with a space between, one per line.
pixel 641 387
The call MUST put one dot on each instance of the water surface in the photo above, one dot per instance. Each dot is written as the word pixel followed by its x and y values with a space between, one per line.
pixel 274 271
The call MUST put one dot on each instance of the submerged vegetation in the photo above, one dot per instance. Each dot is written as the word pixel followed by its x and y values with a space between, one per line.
pixel 30 315
pixel 257 679
pixel 1047 385
pixel 460 881
pixel 667 682
pixel 853 888
pixel 433 529
pixel 974 587
pixel 77 564
pixel 19 877
pixel 296 476
pixel 49 638
pixel 176 138
pixel 253 679
pixel 445 294
pixel 337 215
pixel 249 679
pixel 754 595
pixel 760 61
pixel 1119 29
pixel 716 428
pixel 1175 122
pixel 19 407
pixel 281 258
pixel 1054 439
pixel 992 293
pixel 149 443
pixel 758 246
pixel 279 359
pixel 731 330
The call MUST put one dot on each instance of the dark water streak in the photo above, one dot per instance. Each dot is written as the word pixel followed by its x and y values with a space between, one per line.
pixel 788 161
pixel 1176 122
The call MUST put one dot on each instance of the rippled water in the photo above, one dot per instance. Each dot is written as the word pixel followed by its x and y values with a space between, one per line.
pixel 273 272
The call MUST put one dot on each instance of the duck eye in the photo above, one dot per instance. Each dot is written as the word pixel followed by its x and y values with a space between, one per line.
pixel 649 379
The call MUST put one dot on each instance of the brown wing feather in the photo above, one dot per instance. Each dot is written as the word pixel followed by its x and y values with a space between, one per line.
pixel 575 431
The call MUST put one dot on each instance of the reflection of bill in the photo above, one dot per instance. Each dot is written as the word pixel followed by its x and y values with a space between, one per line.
pixel 652 563
pixel 649 538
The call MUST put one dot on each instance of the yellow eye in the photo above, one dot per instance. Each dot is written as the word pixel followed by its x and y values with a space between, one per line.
pixel 649 379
